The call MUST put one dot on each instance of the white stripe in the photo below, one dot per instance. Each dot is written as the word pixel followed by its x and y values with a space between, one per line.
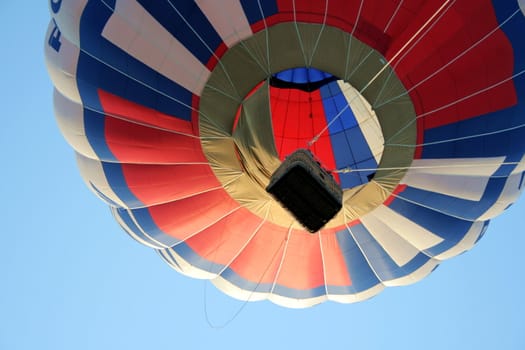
pixel 395 246
pixel 68 18
pixel 70 119
pixel 522 6
pixel 366 119
pixel 461 178
pixel 510 194
pixel 231 24
pixel 136 32
pixel 93 175
pixel 418 236
pixel 62 64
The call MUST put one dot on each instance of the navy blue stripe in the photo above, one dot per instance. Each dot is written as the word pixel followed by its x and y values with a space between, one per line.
pixel 349 145
pixel 466 209
pixel 115 177
pixel 450 229
pixel 144 219
pixel 128 221
pixel 362 276
pixel 103 65
pixel 203 45
pixel 253 8
pixel 382 264
pixel 502 144
pixel 189 255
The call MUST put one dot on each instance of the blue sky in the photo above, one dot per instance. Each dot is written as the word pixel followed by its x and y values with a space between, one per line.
pixel 71 279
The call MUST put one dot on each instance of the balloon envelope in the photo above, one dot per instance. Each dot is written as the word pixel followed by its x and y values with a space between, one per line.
pixel 180 111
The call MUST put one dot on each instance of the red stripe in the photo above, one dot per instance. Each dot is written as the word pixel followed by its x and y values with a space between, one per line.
pixel 486 64
pixel 136 134
pixel 302 266
pixel 153 184
pixel 181 219
pixel 222 242
pixel 259 261
pixel 298 116
pixel 397 190
pixel 336 272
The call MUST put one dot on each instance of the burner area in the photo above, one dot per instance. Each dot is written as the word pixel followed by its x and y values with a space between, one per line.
pixel 308 191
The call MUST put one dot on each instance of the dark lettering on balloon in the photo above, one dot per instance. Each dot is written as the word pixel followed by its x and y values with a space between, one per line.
pixel 55 5
pixel 54 38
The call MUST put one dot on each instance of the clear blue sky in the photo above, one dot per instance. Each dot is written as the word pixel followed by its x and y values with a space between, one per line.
pixel 71 279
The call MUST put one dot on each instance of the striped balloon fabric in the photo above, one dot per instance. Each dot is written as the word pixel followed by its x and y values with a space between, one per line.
pixel 180 111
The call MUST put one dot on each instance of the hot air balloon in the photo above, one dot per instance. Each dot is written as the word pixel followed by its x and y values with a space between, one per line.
pixel 181 113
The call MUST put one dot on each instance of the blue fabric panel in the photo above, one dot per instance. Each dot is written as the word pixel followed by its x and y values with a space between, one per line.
pixel 201 39
pixel 144 219
pixel 466 209
pixel 117 182
pixel 254 9
pixel 188 254
pixel 349 144
pixel 124 215
pixel 361 274
pixel 302 75
pixel 383 265
pixel 450 229
pixel 103 65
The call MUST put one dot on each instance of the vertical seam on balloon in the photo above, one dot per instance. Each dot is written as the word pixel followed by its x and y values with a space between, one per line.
pixel 350 39
pixel 206 45
pixel 320 33
pixel 323 263
pixel 287 241
pixel 257 229
pixel 392 17
pixel 450 62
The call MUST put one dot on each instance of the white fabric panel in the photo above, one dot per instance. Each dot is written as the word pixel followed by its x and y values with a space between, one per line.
pixel 415 276
pixel 465 244
pixel 366 118
pixel 398 248
pixel 418 236
pixel 510 194
pixel 68 18
pixel 93 174
pixel 522 6
pixel 70 119
pixel 354 298
pixel 136 32
pixel 62 65
pixel 232 25
pixel 462 178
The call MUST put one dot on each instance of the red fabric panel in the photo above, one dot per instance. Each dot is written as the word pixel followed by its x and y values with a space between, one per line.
pixel 155 184
pixel 302 266
pixel 143 135
pixel 260 260
pixel 222 242
pixel 298 116
pixel 336 273
pixel 443 98
pixel 127 110
pixel 183 218
pixel 343 14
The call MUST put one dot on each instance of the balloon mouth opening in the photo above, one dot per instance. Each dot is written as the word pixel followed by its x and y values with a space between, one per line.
pixel 256 110
pixel 315 110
